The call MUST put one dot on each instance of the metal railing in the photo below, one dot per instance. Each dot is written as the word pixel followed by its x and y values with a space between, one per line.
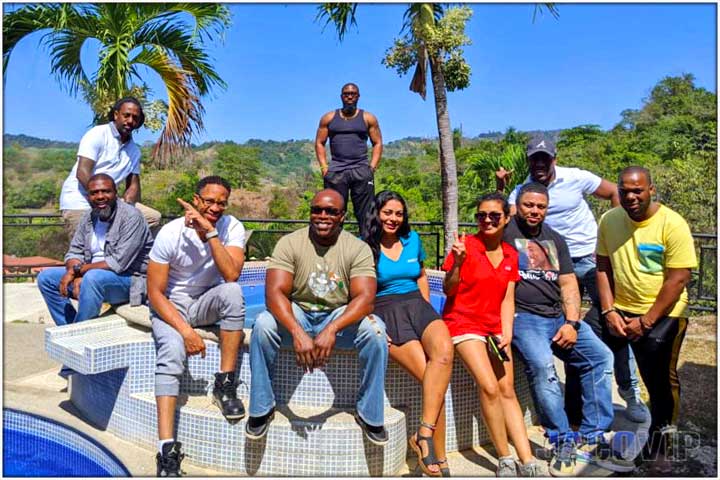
pixel 702 289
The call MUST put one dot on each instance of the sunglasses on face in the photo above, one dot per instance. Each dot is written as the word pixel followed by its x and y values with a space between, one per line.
pixel 349 94
pixel 494 216
pixel 332 211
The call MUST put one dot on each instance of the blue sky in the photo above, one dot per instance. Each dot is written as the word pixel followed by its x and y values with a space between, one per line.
pixel 283 71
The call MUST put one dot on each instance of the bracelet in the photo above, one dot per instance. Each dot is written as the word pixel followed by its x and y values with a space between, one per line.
pixel 211 234
pixel 605 312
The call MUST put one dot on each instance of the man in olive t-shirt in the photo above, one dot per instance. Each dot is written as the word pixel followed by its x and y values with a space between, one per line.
pixel 319 292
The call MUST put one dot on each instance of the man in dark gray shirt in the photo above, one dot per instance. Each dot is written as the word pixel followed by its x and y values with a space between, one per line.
pixel 107 260
pixel 348 129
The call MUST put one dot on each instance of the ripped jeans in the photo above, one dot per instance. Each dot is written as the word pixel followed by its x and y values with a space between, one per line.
pixel 367 336
pixel 590 357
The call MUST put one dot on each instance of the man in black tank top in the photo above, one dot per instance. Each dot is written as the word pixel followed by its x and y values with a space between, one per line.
pixel 348 129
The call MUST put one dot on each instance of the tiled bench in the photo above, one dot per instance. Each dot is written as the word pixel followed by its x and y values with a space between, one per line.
pixel 313 433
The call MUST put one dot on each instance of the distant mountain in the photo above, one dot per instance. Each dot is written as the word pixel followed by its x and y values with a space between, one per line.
pixel 28 141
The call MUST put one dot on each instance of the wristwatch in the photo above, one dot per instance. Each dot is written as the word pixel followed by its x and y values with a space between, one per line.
pixel 211 234
pixel 77 269
pixel 573 323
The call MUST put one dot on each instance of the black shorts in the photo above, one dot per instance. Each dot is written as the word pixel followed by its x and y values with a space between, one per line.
pixel 406 315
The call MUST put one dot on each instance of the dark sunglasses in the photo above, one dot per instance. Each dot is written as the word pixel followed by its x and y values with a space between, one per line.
pixel 332 211
pixel 494 216
pixel 350 94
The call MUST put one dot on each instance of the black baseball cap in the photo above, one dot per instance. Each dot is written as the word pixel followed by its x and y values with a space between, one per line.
pixel 541 144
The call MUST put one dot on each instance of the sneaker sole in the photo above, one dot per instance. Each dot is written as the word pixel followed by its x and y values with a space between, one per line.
pixel 606 464
pixel 379 443
pixel 260 435
pixel 229 417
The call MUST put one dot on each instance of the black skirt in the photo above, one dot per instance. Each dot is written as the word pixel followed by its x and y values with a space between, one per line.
pixel 406 315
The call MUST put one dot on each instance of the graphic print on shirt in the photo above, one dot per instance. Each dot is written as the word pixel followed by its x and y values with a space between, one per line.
pixel 322 281
pixel 537 259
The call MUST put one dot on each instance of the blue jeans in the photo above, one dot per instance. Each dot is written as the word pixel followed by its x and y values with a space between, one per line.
pixel 532 335
pixel 367 336
pixel 97 286
pixel 624 360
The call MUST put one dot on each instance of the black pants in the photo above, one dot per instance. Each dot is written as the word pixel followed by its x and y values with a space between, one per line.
pixel 360 183
pixel 656 355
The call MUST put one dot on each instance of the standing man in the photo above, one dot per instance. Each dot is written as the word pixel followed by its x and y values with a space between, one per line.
pixel 320 293
pixel 645 252
pixel 569 215
pixel 192 281
pixel 107 260
pixel 349 129
pixel 108 149
pixel 547 323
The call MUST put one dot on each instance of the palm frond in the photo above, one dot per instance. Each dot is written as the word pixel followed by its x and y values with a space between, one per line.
pixel 550 7
pixel 421 13
pixel 341 15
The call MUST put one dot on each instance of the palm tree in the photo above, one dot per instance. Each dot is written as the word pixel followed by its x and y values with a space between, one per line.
pixel 434 37
pixel 153 35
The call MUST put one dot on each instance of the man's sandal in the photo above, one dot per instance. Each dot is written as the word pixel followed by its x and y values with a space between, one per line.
pixel 444 471
pixel 430 459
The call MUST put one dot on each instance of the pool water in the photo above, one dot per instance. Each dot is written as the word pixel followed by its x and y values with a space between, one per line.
pixel 255 302
pixel 35 446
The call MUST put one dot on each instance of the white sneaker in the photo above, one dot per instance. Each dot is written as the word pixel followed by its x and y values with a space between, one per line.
pixel 635 409
pixel 506 467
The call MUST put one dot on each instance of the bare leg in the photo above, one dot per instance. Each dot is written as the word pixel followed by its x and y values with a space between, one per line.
pixel 166 416
pixel 475 356
pixel 230 341
pixel 514 421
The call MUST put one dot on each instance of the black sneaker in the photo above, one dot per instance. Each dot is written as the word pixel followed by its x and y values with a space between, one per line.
pixel 257 427
pixel 225 396
pixel 376 435
pixel 168 463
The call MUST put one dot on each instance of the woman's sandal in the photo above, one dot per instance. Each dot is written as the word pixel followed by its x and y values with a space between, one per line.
pixel 444 471
pixel 425 462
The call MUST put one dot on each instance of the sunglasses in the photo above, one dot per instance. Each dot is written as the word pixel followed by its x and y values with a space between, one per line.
pixel 210 201
pixel 494 216
pixel 332 211
pixel 350 94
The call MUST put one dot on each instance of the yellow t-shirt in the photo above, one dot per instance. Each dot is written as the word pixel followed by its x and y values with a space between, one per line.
pixel 321 275
pixel 640 251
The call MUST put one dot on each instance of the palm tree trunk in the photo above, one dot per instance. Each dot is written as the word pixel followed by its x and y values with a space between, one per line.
pixel 448 168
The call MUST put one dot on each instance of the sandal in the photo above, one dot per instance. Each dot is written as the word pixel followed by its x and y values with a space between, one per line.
pixel 424 462
pixel 444 471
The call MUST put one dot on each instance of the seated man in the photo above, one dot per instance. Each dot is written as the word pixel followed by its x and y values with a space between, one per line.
pixel 107 259
pixel 320 283
pixel 194 266
pixel 645 252
pixel 547 322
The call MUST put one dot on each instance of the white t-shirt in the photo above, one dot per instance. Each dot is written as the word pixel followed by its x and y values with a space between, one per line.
pixel 192 268
pixel 568 213
pixel 102 145
pixel 97 242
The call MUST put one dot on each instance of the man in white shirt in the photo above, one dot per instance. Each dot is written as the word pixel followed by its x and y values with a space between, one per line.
pixel 108 149
pixel 569 215
pixel 192 281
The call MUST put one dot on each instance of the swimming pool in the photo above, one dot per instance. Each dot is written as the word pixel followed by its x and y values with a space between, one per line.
pixel 35 446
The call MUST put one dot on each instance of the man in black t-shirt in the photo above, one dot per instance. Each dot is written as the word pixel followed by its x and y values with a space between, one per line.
pixel 547 322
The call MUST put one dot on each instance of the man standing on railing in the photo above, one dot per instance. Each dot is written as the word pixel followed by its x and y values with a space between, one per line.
pixel 319 294
pixel 348 129
pixel 192 281
pixel 106 262
pixel 569 214
pixel 645 253
pixel 109 149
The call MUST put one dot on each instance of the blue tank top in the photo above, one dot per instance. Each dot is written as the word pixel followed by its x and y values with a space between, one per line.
pixel 348 142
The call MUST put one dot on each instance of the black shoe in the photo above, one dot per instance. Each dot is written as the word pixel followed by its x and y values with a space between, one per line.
pixel 225 396
pixel 168 463
pixel 376 435
pixel 257 427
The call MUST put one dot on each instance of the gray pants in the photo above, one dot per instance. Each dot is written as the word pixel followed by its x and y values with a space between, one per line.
pixel 223 303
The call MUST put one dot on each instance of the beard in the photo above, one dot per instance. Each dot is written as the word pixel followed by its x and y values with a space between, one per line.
pixel 349 109
pixel 105 214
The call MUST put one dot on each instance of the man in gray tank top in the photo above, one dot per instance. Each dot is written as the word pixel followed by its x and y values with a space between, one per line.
pixel 348 129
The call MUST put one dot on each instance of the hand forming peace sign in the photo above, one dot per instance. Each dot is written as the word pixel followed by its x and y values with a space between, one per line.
pixel 458 248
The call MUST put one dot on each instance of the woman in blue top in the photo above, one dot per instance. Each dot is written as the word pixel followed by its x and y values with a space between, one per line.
pixel 419 339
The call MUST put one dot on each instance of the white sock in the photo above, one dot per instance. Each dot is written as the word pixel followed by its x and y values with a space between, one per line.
pixel 163 442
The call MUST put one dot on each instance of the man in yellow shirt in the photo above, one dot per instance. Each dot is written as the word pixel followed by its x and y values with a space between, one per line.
pixel 644 255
